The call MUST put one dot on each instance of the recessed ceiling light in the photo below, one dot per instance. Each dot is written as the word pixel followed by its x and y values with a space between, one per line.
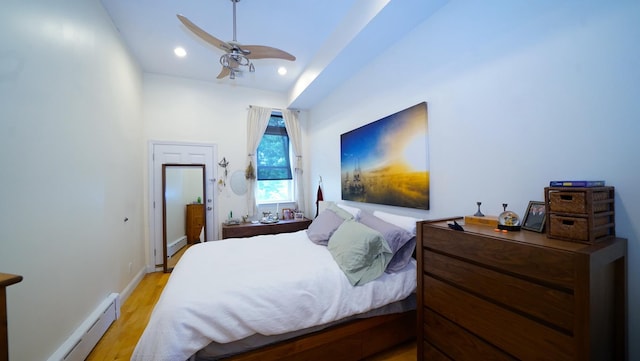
pixel 180 52
pixel 282 70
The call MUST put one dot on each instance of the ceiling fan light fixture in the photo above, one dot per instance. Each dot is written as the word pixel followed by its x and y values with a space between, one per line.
pixel 236 55
pixel 224 61
pixel 234 60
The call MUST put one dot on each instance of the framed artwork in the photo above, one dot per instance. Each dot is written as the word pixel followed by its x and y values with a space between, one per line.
pixel 387 161
pixel 534 217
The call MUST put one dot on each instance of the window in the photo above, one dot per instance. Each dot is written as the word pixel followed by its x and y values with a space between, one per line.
pixel 275 181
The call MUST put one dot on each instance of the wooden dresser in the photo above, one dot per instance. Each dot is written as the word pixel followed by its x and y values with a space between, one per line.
pixel 6 280
pixel 255 229
pixel 486 295
pixel 195 222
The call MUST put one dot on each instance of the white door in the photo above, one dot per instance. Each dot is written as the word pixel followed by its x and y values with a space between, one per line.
pixel 178 153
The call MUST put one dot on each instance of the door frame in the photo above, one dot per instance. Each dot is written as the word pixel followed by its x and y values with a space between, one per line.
pixel 210 181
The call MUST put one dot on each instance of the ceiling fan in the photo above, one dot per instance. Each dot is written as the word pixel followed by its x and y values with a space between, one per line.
pixel 236 55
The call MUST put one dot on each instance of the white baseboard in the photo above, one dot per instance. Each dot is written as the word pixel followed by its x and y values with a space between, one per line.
pixel 126 292
pixel 86 337
pixel 78 346
pixel 175 246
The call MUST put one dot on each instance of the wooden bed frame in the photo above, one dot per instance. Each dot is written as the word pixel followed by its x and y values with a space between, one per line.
pixel 353 340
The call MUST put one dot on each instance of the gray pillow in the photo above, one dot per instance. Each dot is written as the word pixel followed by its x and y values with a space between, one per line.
pixel 321 229
pixel 397 238
pixel 402 257
pixel 361 252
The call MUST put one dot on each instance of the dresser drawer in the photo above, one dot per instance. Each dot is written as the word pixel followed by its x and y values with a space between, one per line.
pixel 433 354
pixel 457 342
pixel 567 202
pixel 515 334
pixel 534 300
pixel 580 201
pixel 555 267
pixel 583 229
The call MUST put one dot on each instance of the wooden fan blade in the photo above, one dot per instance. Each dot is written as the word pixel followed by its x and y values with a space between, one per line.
pixel 264 52
pixel 224 72
pixel 204 35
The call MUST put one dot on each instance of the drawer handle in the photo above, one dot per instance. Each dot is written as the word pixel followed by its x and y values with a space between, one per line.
pixel 566 197
pixel 567 222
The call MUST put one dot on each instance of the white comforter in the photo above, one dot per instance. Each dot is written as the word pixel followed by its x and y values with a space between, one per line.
pixel 227 290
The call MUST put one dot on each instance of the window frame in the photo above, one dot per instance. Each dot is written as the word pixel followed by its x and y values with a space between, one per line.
pixel 289 183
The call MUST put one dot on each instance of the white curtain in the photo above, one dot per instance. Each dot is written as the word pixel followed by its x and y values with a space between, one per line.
pixel 293 130
pixel 257 121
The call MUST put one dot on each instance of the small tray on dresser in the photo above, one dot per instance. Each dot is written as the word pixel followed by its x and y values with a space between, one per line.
pixel 269 221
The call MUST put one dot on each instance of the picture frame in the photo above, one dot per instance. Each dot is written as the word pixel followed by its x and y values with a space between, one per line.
pixel 534 217
pixel 287 213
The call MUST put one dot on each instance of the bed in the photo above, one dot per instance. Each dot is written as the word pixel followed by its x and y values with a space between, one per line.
pixel 343 289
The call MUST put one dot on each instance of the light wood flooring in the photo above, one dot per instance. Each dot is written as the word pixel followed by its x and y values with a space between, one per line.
pixel 173 260
pixel 121 338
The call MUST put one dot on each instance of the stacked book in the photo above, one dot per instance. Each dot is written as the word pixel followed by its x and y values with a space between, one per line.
pixel 581 184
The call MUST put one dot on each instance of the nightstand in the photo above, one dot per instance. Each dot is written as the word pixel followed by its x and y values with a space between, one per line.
pixel 255 229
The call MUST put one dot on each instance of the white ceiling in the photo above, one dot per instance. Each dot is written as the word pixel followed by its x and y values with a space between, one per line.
pixel 331 39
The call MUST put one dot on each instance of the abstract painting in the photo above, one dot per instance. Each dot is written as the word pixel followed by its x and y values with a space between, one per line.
pixel 387 161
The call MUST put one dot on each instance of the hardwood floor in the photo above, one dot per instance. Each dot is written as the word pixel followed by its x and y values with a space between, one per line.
pixel 173 260
pixel 406 352
pixel 121 338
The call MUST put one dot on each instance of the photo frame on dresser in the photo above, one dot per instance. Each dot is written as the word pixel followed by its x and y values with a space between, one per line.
pixel 534 217
pixel 287 213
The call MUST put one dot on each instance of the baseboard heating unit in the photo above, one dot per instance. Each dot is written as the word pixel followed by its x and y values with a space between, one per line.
pixel 176 245
pixel 86 337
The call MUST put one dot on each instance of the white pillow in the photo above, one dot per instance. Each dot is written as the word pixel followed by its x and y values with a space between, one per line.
pixel 404 222
pixel 355 212
pixel 322 205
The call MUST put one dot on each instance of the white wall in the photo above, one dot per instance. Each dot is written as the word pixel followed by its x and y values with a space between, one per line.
pixel 185 110
pixel 71 150
pixel 519 93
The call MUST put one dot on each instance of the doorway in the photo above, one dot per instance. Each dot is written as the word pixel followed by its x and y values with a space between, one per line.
pixel 178 153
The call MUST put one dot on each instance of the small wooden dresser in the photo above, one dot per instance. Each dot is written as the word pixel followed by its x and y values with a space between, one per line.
pixel 6 280
pixel 195 222
pixel 486 295
pixel 256 229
